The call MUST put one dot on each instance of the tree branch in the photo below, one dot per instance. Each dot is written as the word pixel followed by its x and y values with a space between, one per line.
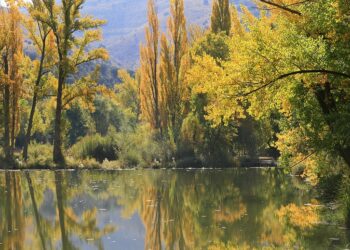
pixel 89 59
pixel 283 7
pixel 281 77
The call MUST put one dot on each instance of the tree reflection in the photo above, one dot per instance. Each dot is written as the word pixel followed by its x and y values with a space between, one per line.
pixel 17 226
pixel 35 210
pixel 177 209
pixel 12 214
pixel 84 227
pixel 182 210
pixel 213 210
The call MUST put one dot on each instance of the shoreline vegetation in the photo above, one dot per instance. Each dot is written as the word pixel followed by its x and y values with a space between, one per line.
pixel 271 83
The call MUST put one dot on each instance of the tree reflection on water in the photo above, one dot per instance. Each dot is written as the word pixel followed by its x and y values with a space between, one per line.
pixel 197 209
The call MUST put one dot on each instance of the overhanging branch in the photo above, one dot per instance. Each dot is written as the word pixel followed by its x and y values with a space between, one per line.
pixel 283 7
pixel 299 72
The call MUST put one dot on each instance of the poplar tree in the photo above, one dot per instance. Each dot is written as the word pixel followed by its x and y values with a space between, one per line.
pixel 150 86
pixel 11 45
pixel 221 17
pixel 173 66
pixel 39 34
pixel 67 25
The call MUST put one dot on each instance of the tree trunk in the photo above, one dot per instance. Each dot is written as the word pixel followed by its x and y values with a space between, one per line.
pixel 6 106
pixel 60 205
pixel 328 107
pixel 18 212
pixel 58 157
pixel 34 101
pixel 8 202
pixel 35 209
pixel 13 119
pixel 29 129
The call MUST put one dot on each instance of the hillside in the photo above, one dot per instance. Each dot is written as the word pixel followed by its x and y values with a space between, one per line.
pixel 126 20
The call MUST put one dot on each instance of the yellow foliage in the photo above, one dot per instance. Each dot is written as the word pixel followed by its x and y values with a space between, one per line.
pixel 304 217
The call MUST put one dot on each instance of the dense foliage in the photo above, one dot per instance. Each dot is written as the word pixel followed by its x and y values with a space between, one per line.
pixel 272 84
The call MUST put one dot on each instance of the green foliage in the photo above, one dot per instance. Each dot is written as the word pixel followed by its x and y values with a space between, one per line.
pixel 335 188
pixel 80 123
pixel 215 45
pixel 40 155
pixel 140 148
pixel 97 147
pixel 292 66
pixel 106 114
pixel 330 187
pixel 128 96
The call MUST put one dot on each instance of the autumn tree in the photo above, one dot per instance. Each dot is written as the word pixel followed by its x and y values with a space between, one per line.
pixel 128 94
pixel 293 63
pixel 11 44
pixel 73 34
pixel 150 90
pixel 173 66
pixel 212 144
pixel 221 17
pixel 42 37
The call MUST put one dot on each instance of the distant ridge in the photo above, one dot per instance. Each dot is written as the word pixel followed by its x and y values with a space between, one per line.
pixel 126 20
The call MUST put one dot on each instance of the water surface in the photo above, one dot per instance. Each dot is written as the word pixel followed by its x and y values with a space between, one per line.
pixel 164 209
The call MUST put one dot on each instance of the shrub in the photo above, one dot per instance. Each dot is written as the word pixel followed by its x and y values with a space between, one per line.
pixel 329 186
pixel 97 147
pixel 40 155
pixel 140 148
pixel 106 164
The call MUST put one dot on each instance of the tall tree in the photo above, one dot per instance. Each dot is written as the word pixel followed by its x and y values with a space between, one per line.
pixel 68 24
pixel 11 45
pixel 39 33
pixel 221 17
pixel 128 94
pixel 4 80
pixel 173 66
pixel 294 66
pixel 150 86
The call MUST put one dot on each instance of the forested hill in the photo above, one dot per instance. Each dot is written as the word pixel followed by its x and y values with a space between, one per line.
pixel 126 20
pixel 124 31
pixel 108 69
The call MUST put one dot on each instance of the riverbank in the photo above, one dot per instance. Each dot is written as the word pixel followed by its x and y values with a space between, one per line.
pixel 80 164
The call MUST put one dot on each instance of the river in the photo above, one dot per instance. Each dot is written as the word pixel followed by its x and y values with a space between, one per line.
pixel 165 209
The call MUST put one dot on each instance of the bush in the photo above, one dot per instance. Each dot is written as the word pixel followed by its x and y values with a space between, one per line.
pixel 97 147
pixel 330 186
pixel 40 155
pixel 140 148
pixel 136 148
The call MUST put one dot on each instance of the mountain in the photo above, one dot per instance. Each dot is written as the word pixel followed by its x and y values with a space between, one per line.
pixel 126 21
